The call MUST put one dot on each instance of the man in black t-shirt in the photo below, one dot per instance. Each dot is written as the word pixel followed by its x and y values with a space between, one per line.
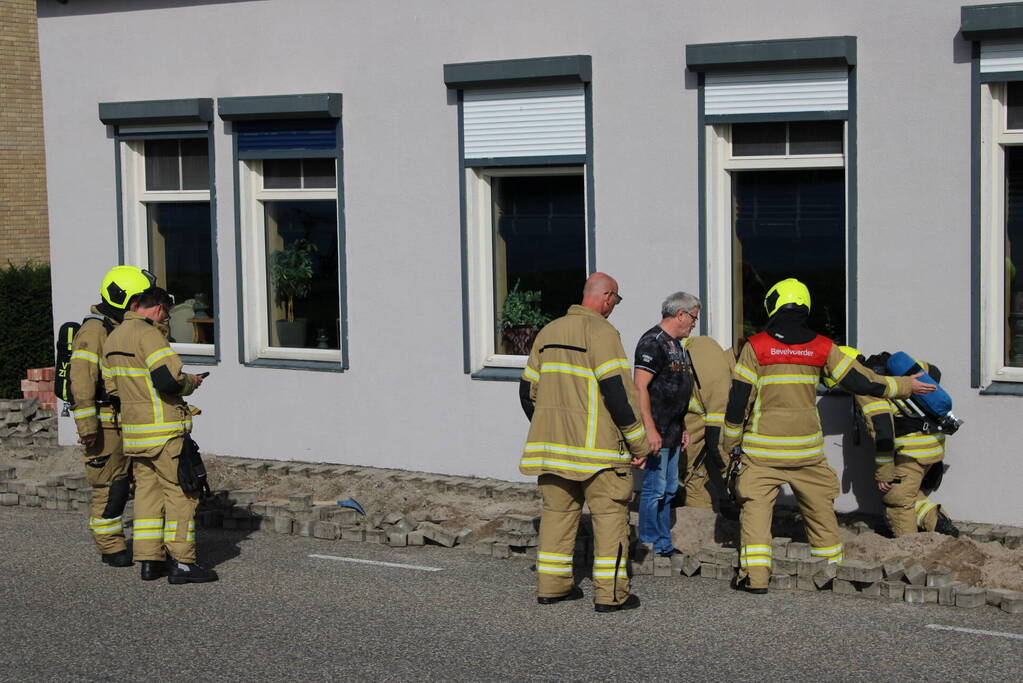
pixel 664 385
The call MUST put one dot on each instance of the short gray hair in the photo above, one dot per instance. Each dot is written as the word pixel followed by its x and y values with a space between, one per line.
pixel 677 302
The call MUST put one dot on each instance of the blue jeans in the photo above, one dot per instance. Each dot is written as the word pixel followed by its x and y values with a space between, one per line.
pixel 660 482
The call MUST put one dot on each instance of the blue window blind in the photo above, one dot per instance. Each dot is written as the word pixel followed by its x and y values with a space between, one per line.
pixel 286 135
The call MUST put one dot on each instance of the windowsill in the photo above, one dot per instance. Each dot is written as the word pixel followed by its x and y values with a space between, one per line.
pixel 498 374
pixel 191 359
pixel 1003 389
pixel 283 364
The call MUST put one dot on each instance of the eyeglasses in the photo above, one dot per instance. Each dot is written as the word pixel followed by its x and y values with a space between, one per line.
pixel 617 296
pixel 694 317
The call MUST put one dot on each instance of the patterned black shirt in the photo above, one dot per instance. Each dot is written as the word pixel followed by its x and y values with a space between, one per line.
pixel 662 355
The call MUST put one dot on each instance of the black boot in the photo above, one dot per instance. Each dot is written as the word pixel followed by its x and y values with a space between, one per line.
pixel 743 585
pixel 153 569
pixel 945 526
pixel 631 602
pixel 573 594
pixel 181 572
pixel 119 559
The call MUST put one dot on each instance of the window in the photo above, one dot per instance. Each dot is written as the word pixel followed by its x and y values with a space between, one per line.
pixel 529 243
pixel 527 164
pixel 779 210
pixel 291 242
pixel 168 228
pixel 1002 231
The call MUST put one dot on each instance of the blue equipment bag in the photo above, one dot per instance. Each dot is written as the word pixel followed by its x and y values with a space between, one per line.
pixel 935 407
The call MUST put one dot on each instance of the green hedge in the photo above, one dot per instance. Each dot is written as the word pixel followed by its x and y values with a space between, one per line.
pixel 26 324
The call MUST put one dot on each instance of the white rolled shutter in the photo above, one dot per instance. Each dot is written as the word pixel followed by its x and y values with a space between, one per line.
pixel 524 122
pixel 770 92
pixel 1001 55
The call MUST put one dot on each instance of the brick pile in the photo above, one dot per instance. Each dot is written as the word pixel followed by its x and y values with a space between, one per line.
pixel 25 422
pixel 39 385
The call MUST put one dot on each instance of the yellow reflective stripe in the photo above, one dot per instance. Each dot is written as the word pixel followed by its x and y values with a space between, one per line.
pixel 782 453
pixel 106 417
pixel 883 459
pixel 636 433
pixel 157 355
pixel 842 368
pixel 732 431
pixel 84 412
pixel 757 549
pixel 921 440
pixel 788 379
pixel 126 372
pixel 567 369
pixel 766 439
pixel 830 550
pixel 552 569
pixel 591 413
pixel 156 441
pixel 756 562
pixel 85 355
pixel 837 559
pixel 565 449
pixel 694 406
pixel 98 525
pixel 893 386
pixel 923 453
pixel 531 374
pixel 875 407
pixel 607 367
pixel 554 557
pixel 170 530
pixel 715 418
pixel 605 561
pixel 156 427
pixel 746 373
pixel 561 465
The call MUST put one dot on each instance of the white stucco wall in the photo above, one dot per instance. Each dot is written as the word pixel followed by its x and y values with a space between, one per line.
pixel 405 401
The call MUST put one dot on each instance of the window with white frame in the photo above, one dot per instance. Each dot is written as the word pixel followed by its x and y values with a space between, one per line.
pixel 776 206
pixel 527 255
pixel 168 229
pixel 1002 231
pixel 290 258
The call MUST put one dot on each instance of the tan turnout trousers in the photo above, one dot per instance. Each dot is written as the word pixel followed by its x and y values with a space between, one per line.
pixel 905 505
pixel 815 487
pixel 695 478
pixel 108 472
pixel 164 514
pixel 607 494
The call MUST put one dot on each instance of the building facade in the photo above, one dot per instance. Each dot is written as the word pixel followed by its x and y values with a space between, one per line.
pixel 357 205
pixel 23 217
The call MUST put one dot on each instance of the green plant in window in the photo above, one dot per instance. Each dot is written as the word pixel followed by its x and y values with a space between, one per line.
pixel 522 309
pixel 291 270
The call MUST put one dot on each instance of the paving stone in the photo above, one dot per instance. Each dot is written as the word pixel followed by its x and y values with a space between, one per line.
pixel 690 565
pixel 798 551
pixel 919 595
pixel 244 496
pixel 938 578
pixel 467 537
pixel 782 582
pixel 677 560
pixel 916 575
pixel 892 590
pixel 784 565
pixel 379 536
pixel 779 546
pixel 63 505
pixel 1012 605
pixel 1014 538
pixel 868 590
pixel 825 575
pixel 485 547
pixel 971 597
pixel 843 587
pixel 868 572
pixel 31 501
pixel 727 557
pixel 994 595
pixel 501 551
pixel 326 530
pixel 353 533
pixel 662 566
pixel 708 570
pixel 300 501
pixel 284 525
pixel 805 583
pixel 807 568
pixel 725 573
pixel 519 523
pixel 8 498
pixel 416 538
pixel 708 553
pixel 894 571
pixel 437 534
pixel 49 503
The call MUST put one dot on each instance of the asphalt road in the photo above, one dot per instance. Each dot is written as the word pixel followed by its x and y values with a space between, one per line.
pixel 279 614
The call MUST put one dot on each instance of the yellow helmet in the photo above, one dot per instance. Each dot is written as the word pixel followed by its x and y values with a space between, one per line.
pixel 788 291
pixel 121 283
pixel 847 350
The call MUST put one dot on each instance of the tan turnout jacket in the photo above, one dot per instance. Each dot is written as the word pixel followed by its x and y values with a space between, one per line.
pixel 782 427
pixel 572 433
pixel 86 353
pixel 145 374
pixel 712 369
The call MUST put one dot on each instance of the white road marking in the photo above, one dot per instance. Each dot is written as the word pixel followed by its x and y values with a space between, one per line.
pixel 978 632
pixel 381 564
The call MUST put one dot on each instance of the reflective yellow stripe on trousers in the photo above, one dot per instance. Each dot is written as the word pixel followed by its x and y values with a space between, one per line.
pixel 147 528
pixel 553 563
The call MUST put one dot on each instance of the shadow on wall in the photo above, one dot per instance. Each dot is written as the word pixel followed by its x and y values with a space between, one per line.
pixel 63 8
pixel 857 475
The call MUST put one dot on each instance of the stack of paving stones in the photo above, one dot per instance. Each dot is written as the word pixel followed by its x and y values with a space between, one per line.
pixel 38 384
pixel 794 568
pixel 23 422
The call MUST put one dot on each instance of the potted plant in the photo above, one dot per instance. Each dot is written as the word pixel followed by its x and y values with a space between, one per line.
pixel 521 320
pixel 291 270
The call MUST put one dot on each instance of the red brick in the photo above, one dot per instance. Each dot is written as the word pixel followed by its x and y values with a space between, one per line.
pixel 35 374
pixel 49 374
pixel 28 385
pixel 46 405
pixel 47 396
pixel 30 394
pixel 44 385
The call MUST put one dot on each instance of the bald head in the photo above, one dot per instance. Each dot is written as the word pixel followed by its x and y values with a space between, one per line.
pixel 600 293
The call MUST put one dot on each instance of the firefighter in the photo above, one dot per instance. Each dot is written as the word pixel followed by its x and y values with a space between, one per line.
pixel 904 457
pixel 712 377
pixel 585 433
pixel 144 373
pixel 106 467
pixel 772 413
